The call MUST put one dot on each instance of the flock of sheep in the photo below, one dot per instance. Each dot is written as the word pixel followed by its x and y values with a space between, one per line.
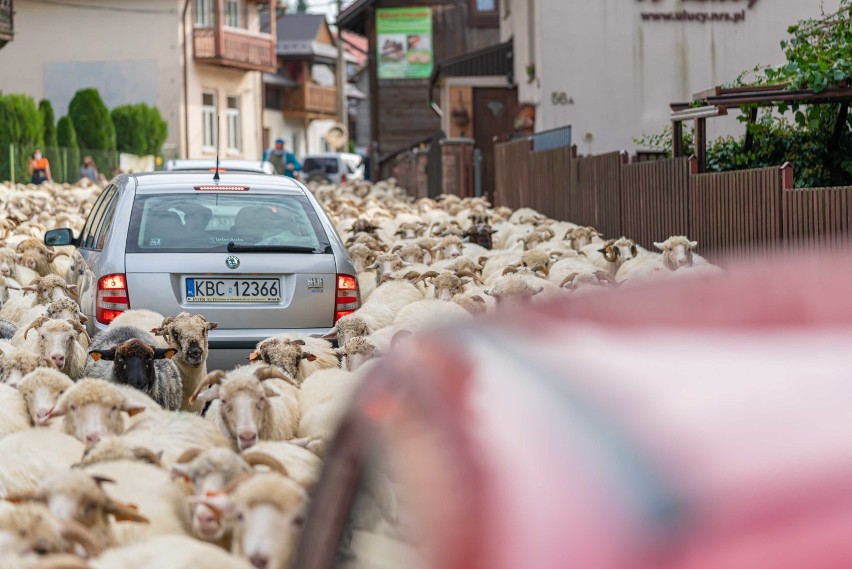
pixel 106 459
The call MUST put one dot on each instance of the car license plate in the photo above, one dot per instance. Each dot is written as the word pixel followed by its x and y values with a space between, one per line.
pixel 205 289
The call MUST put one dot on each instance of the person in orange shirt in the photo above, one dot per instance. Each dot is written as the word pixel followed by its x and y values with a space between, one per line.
pixel 39 168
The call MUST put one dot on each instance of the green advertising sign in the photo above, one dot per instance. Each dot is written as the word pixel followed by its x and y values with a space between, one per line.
pixel 404 37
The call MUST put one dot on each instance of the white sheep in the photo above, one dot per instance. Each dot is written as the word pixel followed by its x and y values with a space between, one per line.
pixel 324 399
pixel 251 404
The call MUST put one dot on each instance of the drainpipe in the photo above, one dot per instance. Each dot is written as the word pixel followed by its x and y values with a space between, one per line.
pixel 185 81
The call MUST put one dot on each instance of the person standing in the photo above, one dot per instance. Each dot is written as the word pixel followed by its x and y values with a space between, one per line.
pixel 284 161
pixel 39 168
pixel 89 170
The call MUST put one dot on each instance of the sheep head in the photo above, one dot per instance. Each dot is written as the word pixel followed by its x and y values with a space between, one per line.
pixel 29 529
pixel 41 389
pixel 677 252
pixel 284 353
pixel 243 396
pixel 56 338
pixel 187 334
pixel 133 362
pixel 513 289
pixel 92 409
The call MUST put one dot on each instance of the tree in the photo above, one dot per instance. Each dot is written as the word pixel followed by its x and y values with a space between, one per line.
pixel 140 129
pixel 92 121
pixel 21 131
pixel 67 138
pixel 301 6
pixel 48 120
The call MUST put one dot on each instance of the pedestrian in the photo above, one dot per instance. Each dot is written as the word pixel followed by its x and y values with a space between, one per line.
pixel 283 160
pixel 89 170
pixel 39 168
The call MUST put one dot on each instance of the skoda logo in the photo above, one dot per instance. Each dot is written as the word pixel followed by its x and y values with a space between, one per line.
pixel 232 262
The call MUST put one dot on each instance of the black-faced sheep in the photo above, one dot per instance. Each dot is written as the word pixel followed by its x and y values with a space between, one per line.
pixel 128 356
pixel 188 335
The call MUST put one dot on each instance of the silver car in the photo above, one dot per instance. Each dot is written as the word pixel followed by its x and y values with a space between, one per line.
pixel 224 166
pixel 255 253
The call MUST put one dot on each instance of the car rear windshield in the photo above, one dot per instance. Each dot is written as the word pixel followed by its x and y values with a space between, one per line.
pixel 325 165
pixel 209 222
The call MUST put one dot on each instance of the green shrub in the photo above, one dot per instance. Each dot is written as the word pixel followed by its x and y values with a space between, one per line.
pixel 22 128
pixel 129 129
pixel 140 129
pixel 67 138
pixel 156 129
pixel 92 121
pixel 51 150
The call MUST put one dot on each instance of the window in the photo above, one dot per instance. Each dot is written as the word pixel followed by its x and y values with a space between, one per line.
pixel 100 239
pixel 484 13
pixel 87 235
pixel 204 13
pixel 324 165
pixel 233 117
pixel 233 14
pixel 208 114
pixel 207 221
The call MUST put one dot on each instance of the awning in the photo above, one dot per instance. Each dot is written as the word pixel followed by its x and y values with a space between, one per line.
pixel 491 61
pixel 278 80
pixel 353 92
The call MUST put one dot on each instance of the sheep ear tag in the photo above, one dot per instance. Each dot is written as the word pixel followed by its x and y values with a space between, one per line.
pixel 95 356
pixel 253 357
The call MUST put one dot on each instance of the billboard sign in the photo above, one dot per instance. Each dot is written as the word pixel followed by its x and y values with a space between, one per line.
pixel 404 43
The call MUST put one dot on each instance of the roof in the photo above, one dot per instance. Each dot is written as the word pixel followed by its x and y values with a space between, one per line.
pixel 300 27
pixel 353 18
pixel 493 60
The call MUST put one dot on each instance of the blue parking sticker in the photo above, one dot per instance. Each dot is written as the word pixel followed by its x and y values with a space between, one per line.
pixel 190 288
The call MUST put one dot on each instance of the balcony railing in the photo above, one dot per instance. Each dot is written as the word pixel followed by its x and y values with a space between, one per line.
pixel 233 47
pixel 311 100
pixel 7 28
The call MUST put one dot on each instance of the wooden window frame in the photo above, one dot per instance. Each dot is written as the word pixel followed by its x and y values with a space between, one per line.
pixel 479 19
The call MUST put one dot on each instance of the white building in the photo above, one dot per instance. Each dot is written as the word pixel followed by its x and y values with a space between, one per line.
pixel 193 59
pixel 610 68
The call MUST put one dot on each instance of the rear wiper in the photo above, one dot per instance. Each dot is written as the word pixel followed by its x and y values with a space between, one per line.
pixel 234 248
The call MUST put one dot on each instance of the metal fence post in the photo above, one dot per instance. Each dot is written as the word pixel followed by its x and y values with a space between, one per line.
pixel 477 173
pixel 12 163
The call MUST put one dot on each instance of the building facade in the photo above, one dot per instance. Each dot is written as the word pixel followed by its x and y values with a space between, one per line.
pixel 195 60
pixel 610 68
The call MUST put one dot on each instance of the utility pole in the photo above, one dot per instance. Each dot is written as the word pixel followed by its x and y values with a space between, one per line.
pixel 342 79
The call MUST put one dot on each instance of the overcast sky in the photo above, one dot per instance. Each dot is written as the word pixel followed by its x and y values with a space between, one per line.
pixel 327 7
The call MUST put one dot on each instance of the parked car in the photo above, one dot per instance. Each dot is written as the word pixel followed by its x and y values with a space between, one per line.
pixel 690 424
pixel 259 167
pixel 332 168
pixel 254 253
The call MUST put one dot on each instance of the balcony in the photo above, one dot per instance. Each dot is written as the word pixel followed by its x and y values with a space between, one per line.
pixel 234 47
pixel 310 101
pixel 7 28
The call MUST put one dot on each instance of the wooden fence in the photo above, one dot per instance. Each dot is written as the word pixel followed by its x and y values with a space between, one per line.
pixel 741 213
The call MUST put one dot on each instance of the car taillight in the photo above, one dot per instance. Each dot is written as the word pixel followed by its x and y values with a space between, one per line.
pixel 112 298
pixel 348 298
pixel 343 178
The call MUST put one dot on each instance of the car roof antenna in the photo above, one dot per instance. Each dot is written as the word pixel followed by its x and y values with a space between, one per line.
pixel 216 174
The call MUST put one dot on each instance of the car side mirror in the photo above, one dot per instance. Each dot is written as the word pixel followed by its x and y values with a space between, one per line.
pixel 59 237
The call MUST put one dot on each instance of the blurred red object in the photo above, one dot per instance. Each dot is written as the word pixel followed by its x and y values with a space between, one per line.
pixel 692 424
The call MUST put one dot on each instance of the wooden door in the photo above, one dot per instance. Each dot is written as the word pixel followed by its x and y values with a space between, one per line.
pixel 493 113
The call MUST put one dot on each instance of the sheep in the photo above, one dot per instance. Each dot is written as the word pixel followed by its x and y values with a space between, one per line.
pixel 62 342
pixel 28 456
pixel 209 471
pixel 8 329
pixel 41 389
pixel 270 510
pixel 297 355
pixel 136 362
pixel 36 256
pixel 480 234
pixel 15 415
pixel 10 268
pixel 30 530
pixel 348 327
pixel 412 253
pixel 295 462
pixel 170 434
pixel 580 237
pixel 251 404
pixel 447 285
pixel 7 284
pixel 388 299
pixel 429 313
pixel 324 398
pixel 92 408
pixel 513 289
pixel 79 497
pixel 677 252
pixel 577 280
pixel 450 247
pixel 15 367
pixel 356 352
pixel 46 289
pixel 612 255
pixel 187 334
pixel 172 551
pixel 142 319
